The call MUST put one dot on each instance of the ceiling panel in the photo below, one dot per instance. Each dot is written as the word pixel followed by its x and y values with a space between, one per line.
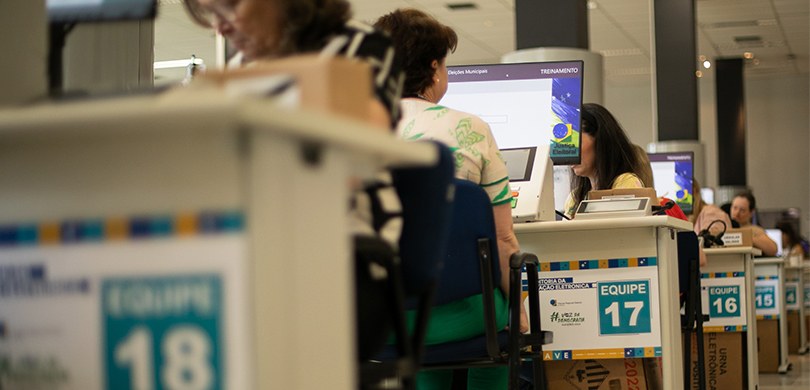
pixel 619 29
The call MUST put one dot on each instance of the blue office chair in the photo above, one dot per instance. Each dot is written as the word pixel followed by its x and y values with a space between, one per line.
pixel 426 195
pixel 693 318
pixel 471 267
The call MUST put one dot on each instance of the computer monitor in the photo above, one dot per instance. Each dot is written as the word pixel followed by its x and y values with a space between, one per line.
pixel 531 182
pixel 776 236
pixel 70 11
pixel 526 104
pixel 672 173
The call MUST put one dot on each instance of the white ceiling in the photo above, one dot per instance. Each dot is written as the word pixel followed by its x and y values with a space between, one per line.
pixel 619 29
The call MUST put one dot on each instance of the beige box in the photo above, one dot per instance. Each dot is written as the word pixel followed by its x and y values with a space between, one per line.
pixel 768 345
pixel 723 361
pixel 601 374
pixel 335 85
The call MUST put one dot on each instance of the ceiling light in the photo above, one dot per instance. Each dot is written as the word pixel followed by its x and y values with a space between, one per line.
pixel 707 64
pixel 593 5
pixel 699 74
pixel 702 57
pixel 748 55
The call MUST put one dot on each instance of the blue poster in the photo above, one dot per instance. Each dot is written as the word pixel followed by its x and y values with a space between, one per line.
pixel 624 307
pixel 162 332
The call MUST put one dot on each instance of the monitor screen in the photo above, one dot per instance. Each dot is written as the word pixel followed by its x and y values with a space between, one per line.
pixel 67 11
pixel 776 236
pixel 672 173
pixel 519 163
pixel 525 104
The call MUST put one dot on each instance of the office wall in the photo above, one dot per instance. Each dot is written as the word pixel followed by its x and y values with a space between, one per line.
pixel 24 41
pixel 778 142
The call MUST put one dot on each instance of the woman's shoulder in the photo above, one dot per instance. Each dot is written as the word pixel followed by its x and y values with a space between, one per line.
pixel 627 180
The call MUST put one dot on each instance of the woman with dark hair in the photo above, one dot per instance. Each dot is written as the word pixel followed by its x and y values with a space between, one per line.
pixel 609 159
pixel 791 241
pixel 422 44
pixel 268 29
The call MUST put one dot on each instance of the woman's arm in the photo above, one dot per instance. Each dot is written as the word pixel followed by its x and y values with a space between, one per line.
pixel 507 245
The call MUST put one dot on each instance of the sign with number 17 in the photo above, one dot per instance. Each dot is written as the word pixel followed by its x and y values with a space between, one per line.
pixel 624 307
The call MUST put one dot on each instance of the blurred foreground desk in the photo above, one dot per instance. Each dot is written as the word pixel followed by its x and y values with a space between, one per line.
pixel 609 289
pixel 727 291
pixel 159 242
pixel 771 314
pixel 795 305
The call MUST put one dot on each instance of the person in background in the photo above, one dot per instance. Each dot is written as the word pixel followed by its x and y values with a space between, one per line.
pixel 609 160
pixel 703 214
pixel 271 29
pixel 423 45
pixel 791 241
pixel 743 207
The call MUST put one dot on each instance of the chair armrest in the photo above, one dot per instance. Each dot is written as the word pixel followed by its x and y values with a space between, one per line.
pixel 516 263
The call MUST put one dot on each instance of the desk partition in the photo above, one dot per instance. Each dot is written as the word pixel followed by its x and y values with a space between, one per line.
pixel 609 289
pixel 152 243
pixel 727 293
pixel 770 303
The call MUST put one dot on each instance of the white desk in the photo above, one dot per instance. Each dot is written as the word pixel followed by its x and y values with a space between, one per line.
pixel 732 266
pixel 583 256
pixel 283 279
pixel 806 303
pixel 770 274
pixel 794 301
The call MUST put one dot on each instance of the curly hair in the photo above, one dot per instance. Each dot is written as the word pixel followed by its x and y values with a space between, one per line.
pixel 307 23
pixel 418 39
pixel 614 153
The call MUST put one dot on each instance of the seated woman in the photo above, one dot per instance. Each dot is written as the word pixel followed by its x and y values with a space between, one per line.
pixel 743 207
pixel 791 241
pixel 268 29
pixel 423 44
pixel 608 161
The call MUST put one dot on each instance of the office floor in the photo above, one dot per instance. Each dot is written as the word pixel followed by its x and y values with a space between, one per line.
pixel 797 378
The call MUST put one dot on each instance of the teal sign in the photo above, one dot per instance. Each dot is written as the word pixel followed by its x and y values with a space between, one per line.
pixel 624 307
pixel 724 301
pixel 162 332
pixel 765 297
pixel 790 294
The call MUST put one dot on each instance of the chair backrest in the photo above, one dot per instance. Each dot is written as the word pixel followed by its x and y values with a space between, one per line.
pixel 426 198
pixel 472 220
pixel 688 258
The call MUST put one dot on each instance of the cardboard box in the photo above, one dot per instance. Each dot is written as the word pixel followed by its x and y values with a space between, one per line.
pixel 602 374
pixel 335 85
pixel 794 336
pixel 768 345
pixel 723 361
pixel 738 237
